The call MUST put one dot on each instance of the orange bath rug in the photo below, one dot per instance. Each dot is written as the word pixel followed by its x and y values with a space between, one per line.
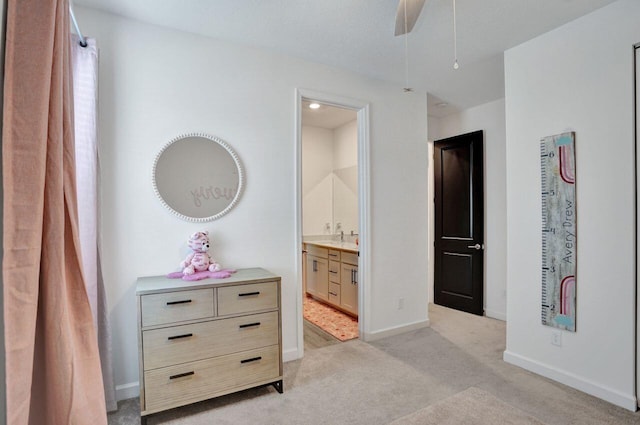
pixel 337 323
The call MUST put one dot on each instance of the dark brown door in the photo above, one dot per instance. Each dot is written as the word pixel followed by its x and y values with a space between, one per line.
pixel 459 222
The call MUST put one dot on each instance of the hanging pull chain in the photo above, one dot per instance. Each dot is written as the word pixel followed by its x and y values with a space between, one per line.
pixel 455 38
pixel 406 52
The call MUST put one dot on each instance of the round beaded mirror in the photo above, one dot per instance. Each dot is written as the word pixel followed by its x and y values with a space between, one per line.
pixel 198 177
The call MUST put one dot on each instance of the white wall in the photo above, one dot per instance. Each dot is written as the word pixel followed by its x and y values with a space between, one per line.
pixel 490 118
pixel 329 179
pixel 345 176
pixel 157 83
pixel 578 77
pixel 317 180
pixel 434 127
pixel 345 145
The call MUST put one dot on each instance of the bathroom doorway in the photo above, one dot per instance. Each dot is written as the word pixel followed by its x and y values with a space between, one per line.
pixel 329 221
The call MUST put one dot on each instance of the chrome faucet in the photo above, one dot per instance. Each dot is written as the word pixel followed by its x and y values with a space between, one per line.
pixel 341 235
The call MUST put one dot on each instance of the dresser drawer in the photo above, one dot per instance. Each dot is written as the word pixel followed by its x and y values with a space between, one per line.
pixel 317 251
pixel 334 293
pixel 187 383
pixel 247 298
pixel 170 307
pixel 350 258
pixel 334 271
pixel 186 343
pixel 334 255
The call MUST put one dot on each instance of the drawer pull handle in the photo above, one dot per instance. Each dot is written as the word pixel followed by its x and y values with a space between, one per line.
pixel 248 294
pixel 182 375
pixel 333 255
pixel 179 336
pixel 331 271
pixel 333 293
pixel 178 302
pixel 248 325
pixel 253 359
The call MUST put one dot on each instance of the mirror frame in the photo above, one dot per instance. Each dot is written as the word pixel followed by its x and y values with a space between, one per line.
pixel 228 149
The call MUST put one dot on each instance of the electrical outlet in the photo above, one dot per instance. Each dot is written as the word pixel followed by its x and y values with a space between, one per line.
pixel 556 338
pixel 400 303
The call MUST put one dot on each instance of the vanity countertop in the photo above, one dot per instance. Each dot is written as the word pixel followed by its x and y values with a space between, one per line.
pixel 344 246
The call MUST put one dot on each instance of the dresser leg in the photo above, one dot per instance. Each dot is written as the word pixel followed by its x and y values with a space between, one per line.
pixel 278 386
pixel 143 420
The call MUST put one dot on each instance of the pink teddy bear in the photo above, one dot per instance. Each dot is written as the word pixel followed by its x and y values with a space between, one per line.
pixel 199 260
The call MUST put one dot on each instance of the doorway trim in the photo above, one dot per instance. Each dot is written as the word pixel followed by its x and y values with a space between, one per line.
pixel 364 205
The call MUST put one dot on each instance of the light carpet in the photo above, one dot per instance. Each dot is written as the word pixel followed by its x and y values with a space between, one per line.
pixel 470 407
pixel 358 383
pixel 332 385
pixel 335 322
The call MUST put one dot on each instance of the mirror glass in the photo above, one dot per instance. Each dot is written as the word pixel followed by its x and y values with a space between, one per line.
pixel 198 177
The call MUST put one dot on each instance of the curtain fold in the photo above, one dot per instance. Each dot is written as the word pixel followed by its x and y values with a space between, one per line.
pixel 53 372
pixel 85 96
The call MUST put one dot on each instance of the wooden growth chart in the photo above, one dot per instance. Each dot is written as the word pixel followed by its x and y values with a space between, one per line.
pixel 557 160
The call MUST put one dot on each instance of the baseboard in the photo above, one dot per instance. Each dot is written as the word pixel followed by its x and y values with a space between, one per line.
pixel 126 391
pixel 496 315
pixel 627 401
pixel 290 355
pixel 397 330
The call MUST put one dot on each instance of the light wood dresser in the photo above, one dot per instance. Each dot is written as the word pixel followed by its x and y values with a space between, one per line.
pixel 203 339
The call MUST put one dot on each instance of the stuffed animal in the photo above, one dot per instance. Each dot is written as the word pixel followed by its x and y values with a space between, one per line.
pixel 199 260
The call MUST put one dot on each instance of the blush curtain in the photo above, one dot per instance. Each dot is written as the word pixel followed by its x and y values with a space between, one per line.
pixel 85 97
pixel 53 372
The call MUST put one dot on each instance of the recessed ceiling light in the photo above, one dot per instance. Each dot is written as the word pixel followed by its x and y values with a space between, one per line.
pixel 314 105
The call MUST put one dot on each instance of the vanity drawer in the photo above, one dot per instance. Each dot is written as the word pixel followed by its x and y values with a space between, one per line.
pixel 334 255
pixel 247 298
pixel 171 307
pixel 334 271
pixel 350 258
pixel 186 343
pixel 187 383
pixel 317 251
pixel 334 293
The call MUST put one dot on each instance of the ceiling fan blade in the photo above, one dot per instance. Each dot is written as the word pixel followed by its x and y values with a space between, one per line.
pixel 414 7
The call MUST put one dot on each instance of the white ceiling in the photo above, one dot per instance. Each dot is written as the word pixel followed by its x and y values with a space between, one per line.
pixel 357 35
pixel 326 116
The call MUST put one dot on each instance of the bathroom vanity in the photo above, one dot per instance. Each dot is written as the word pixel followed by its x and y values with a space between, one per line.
pixel 331 274
pixel 203 339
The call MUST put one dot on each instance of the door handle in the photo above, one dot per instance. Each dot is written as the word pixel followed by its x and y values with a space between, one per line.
pixel 477 246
